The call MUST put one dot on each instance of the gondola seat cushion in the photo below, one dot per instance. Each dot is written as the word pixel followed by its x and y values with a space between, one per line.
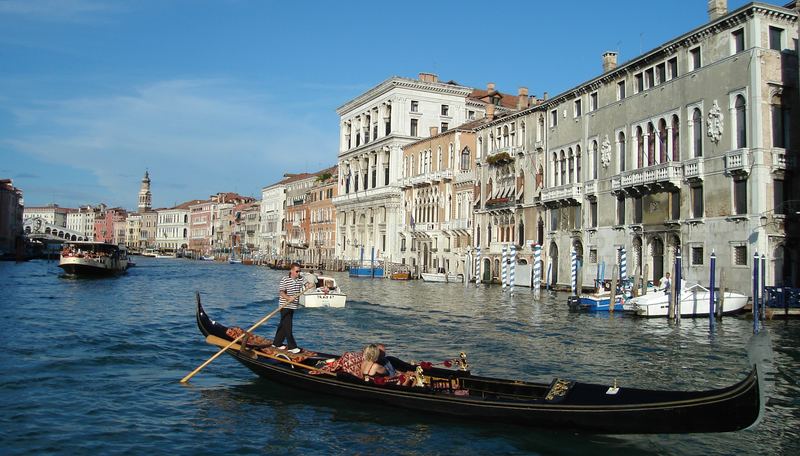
pixel 349 362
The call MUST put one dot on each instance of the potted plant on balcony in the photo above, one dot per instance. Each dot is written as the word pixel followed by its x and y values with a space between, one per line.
pixel 499 159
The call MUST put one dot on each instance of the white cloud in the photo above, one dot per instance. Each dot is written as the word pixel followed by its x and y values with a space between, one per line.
pixel 58 10
pixel 197 137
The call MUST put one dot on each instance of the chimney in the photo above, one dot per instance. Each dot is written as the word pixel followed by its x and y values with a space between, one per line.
pixel 717 9
pixel 522 98
pixel 544 96
pixel 490 87
pixel 490 112
pixel 609 61
pixel 428 77
pixel 434 131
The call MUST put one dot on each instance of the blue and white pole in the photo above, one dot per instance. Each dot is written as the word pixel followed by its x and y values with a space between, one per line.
pixel 537 271
pixel 763 289
pixel 573 271
pixel 504 266
pixel 676 288
pixel 512 274
pixel 623 270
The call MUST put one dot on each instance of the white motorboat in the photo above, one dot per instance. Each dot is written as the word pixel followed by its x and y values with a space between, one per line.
pixel 442 277
pixel 326 294
pixel 166 255
pixel 150 253
pixel 93 258
pixel 694 302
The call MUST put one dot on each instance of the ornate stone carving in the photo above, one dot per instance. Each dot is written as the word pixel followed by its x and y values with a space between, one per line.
pixel 605 152
pixel 715 125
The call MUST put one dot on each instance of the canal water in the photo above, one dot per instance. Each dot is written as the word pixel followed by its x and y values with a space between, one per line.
pixel 93 366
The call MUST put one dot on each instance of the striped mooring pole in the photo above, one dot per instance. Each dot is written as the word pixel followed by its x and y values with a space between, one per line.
pixel 537 271
pixel 676 287
pixel 477 265
pixel 623 270
pixel 504 267
pixel 763 288
pixel 512 273
pixel 573 271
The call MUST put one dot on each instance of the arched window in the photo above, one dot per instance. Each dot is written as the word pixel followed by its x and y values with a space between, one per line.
pixel 578 164
pixel 676 139
pixel 563 168
pixel 593 159
pixel 651 144
pixel 621 150
pixel 451 157
pixel 571 176
pixel 540 129
pixel 741 122
pixel 662 141
pixel 489 234
pixel 465 159
pixel 639 148
pixel 555 169
pixel 697 133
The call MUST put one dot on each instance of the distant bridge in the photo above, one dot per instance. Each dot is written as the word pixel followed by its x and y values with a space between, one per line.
pixel 39 228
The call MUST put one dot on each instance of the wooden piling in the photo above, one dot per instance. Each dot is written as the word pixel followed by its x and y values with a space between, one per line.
pixel 646 275
pixel 637 285
pixel 612 298
pixel 721 293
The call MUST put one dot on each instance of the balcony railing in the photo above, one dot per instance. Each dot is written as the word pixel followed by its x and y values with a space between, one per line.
pixel 590 187
pixel 781 160
pixel 425 227
pixel 657 175
pixel 737 161
pixel 693 169
pixel 510 150
pixel 569 192
pixel 457 224
pixel 464 176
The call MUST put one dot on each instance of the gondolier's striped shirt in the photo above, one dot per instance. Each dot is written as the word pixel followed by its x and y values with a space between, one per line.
pixel 292 287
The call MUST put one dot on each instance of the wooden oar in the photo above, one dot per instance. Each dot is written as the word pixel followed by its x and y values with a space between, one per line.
pixel 218 341
pixel 259 323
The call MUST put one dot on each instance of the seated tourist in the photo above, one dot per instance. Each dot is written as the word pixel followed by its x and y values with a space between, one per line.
pixel 370 367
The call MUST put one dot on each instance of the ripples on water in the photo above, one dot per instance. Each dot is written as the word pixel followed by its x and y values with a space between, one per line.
pixel 93 366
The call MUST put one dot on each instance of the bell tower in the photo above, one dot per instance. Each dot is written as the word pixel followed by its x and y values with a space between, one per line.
pixel 145 196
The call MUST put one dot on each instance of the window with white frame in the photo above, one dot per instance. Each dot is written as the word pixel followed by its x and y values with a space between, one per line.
pixel 695 61
pixel 621 90
pixel 672 66
pixel 445 110
pixel 775 38
pixel 739 254
pixel 740 121
pixel 697 133
pixel 696 254
pixel 737 41
pixel 553 118
pixel 593 101
pixel 577 111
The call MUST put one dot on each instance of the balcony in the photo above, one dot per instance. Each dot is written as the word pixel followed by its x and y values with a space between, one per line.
pixel 781 160
pixel 373 194
pixel 648 180
pixel 737 162
pixel 590 188
pixel 510 150
pixel 426 227
pixel 453 225
pixel 563 194
pixel 464 176
pixel 693 170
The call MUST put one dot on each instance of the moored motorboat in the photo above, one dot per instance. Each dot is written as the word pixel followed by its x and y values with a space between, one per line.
pixel 441 277
pixel 561 404
pixel 86 258
pixel 695 300
pixel 326 294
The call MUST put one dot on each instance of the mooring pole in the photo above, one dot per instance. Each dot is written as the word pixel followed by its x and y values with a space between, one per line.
pixel 763 289
pixel 677 288
pixel 755 293
pixel 711 280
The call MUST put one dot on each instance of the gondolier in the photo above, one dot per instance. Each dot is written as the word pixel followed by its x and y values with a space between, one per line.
pixel 289 291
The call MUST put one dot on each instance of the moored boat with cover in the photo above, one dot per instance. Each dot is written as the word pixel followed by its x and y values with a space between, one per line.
pixel 560 404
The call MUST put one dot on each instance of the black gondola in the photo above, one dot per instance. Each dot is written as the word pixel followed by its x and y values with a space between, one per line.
pixel 561 404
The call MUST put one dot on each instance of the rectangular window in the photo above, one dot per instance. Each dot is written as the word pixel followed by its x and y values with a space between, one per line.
pixel 554 217
pixel 621 90
pixel 775 38
pixel 737 40
pixel 553 118
pixel 638 82
pixel 471 115
pixel 593 256
pixel 593 101
pixel 414 127
pixel 778 130
pixel 694 59
pixel 385 175
pixel 697 202
pixel 578 224
pixel 675 205
pixel 697 256
pixel 638 209
pixel 649 78
pixel 445 110
pixel 578 112
pixel 388 128
pixel 414 106
pixel 740 255
pixel 444 127
pixel 621 211
pixel 672 64
pixel 740 196
pixel 593 214
pixel 777 196
pixel 661 73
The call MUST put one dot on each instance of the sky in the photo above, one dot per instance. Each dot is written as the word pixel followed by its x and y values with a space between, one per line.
pixel 228 95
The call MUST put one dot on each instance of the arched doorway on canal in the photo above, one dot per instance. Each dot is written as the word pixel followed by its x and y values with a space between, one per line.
pixel 487 270
pixel 657 258
pixel 553 264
